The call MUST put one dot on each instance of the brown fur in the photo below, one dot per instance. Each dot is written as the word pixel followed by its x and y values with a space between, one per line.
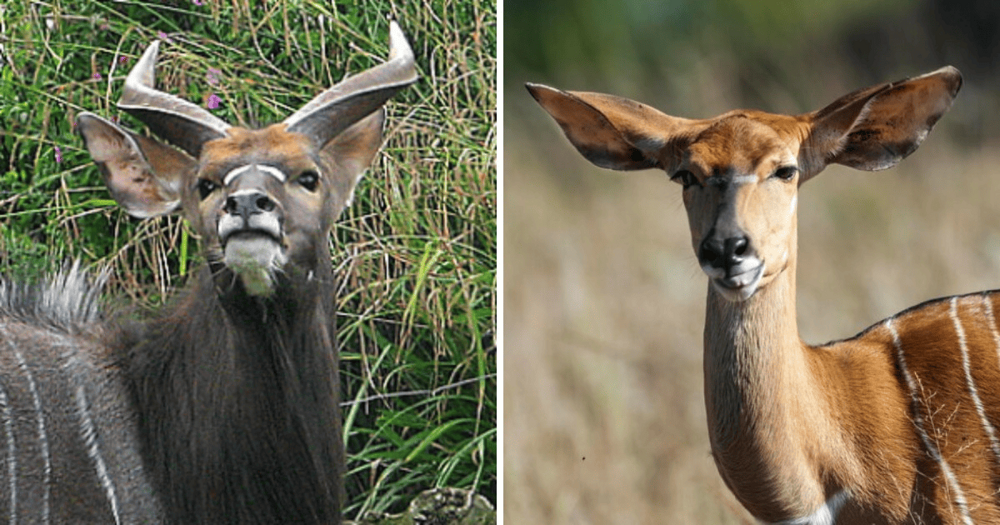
pixel 792 426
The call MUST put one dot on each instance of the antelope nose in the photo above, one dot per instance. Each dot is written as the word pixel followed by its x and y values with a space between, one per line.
pixel 724 252
pixel 249 203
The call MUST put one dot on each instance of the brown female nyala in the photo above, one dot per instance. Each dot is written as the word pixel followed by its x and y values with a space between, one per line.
pixel 898 424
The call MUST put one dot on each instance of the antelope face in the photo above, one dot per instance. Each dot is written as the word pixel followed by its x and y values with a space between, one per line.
pixel 263 201
pixel 740 180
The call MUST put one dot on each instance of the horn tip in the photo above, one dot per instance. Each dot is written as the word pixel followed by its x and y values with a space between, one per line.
pixel 142 72
pixel 398 46
pixel 151 51
pixel 394 30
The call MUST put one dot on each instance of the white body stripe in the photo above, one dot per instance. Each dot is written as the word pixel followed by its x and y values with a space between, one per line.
pixel 970 382
pixel 89 435
pixel 825 515
pixel 8 428
pixel 43 439
pixel 991 320
pixel 918 422
pixel 270 170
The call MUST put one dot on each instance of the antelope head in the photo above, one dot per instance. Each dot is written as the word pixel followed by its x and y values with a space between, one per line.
pixel 741 170
pixel 263 201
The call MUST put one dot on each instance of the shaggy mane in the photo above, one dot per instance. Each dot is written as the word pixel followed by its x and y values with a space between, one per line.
pixel 67 302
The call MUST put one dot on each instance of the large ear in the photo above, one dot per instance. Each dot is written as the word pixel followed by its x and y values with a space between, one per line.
pixel 874 128
pixel 614 132
pixel 352 151
pixel 144 176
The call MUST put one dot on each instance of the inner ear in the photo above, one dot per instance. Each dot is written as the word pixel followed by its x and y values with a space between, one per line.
pixel 144 176
pixel 874 128
pixel 351 152
pixel 591 129
pixel 617 133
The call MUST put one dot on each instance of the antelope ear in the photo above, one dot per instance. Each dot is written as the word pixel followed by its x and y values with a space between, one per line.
pixel 614 132
pixel 144 176
pixel 351 152
pixel 874 128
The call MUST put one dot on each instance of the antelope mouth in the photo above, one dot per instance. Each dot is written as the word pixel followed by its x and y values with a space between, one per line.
pixel 250 235
pixel 256 256
pixel 739 287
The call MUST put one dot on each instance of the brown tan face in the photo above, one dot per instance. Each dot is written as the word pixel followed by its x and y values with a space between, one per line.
pixel 741 170
pixel 260 200
pixel 740 190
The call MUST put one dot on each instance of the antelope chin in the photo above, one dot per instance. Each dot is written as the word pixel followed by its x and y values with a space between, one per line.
pixel 740 287
pixel 255 258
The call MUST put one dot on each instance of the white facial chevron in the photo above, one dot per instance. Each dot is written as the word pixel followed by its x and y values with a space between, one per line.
pixel 270 170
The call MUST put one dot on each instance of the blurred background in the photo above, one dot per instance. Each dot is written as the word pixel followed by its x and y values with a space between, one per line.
pixel 604 300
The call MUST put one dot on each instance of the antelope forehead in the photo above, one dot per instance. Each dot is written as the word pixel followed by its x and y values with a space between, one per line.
pixel 740 145
pixel 272 145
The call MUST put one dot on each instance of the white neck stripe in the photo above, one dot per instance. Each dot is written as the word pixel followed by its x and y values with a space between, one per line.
pixel 270 170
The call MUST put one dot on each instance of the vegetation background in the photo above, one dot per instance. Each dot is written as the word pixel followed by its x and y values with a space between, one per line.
pixel 416 253
pixel 604 301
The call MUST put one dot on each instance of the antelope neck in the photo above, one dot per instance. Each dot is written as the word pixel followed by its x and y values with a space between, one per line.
pixel 233 389
pixel 764 402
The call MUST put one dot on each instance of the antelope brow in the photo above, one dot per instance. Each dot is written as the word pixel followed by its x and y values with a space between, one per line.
pixel 721 180
pixel 270 170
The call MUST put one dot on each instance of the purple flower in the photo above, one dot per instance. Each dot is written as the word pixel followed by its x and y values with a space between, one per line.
pixel 213 76
pixel 198 2
pixel 97 76
pixel 58 155
pixel 213 101
pixel 122 60
pixel 162 36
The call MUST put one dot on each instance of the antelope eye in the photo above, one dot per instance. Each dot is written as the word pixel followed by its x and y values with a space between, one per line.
pixel 309 180
pixel 206 187
pixel 686 178
pixel 786 172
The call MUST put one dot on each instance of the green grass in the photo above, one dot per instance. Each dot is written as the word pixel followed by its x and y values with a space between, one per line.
pixel 416 252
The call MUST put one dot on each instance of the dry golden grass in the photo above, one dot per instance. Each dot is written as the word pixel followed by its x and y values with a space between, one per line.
pixel 603 410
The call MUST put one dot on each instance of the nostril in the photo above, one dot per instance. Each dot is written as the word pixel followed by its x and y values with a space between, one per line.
pixel 736 248
pixel 265 204
pixel 740 246
pixel 247 204
pixel 711 251
pixel 724 253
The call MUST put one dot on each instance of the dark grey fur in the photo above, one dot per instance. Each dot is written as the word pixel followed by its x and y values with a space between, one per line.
pixel 223 405
pixel 64 412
